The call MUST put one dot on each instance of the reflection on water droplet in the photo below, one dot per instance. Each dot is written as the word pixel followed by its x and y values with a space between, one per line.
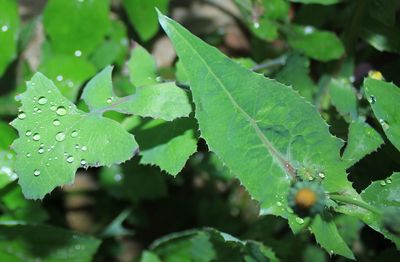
pixel 383 183
pixel 279 204
pixel 84 148
pixel 384 125
pixel 74 133
pixel 60 78
pixel 28 154
pixel 42 100
pixel 28 133
pixel 36 137
pixel 4 28
pixel 36 172
pixel 56 122
pixel 53 108
pixel 308 30
pixel 60 136
pixel 388 181
pixel 70 159
pixel 83 162
pixel 21 115
pixel 61 111
pixel 299 220
pixel 256 25
pixel 78 53
pixel 321 175
pixel 41 150
pixel 109 100
pixel 118 177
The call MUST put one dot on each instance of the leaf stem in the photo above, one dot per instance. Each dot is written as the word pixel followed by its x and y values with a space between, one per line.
pixel 352 201
pixel 279 61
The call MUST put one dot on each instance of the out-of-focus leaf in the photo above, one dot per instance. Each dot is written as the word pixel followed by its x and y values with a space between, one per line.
pixel 296 73
pixel 7 174
pixel 362 140
pixel 44 243
pixel 317 44
pixel 143 16
pixel 148 256
pixel 9 30
pixel 7 136
pixel 68 73
pixel 380 36
pixel 384 99
pixel 383 10
pixel 343 97
pixel 76 27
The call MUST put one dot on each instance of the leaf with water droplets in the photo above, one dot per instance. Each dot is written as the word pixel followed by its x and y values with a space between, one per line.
pixel 34 242
pixel 362 140
pixel 161 101
pixel 49 132
pixel 262 130
pixel 385 104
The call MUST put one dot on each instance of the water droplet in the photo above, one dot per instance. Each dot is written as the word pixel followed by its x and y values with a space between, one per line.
pixel 70 159
pixel 28 154
pixel 109 100
pixel 56 122
pixel 279 204
pixel 42 100
pixel 61 111
pixel 388 181
pixel 4 28
pixel 41 150
pixel 53 108
pixel 36 172
pixel 299 220
pixel 74 133
pixel 159 79
pixel 60 78
pixel 321 175
pixel 28 133
pixel 118 177
pixel 78 53
pixel 308 30
pixel 36 137
pixel 83 162
pixel 383 183
pixel 256 25
pixel 384 125
pixel 21 115
pixel 60 136
pixel 372 99
pixel 84 148
pixel 76 146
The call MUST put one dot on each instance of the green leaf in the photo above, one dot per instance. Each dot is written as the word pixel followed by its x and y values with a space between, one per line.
pixel 380 36
pixel 384 99
pixel 161 101
pixel 7 136
pixel 76 27
pixel 166 144
pixel 67 72
pixel 327 235
pixel 245 119
pixel 383 10
pixel 55 139
pixel 142 67
pixel 275 9
pixel 265 28
pixel 7 174
pixel 343 97
pixel 296 73
pixel 143 16
pixel 148 256
pixel 362 140
pixel 9 30
pixel 45 243
pixel 321 2
pixel 319 45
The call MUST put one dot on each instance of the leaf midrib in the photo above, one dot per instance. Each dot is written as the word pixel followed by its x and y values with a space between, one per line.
pixel 267 144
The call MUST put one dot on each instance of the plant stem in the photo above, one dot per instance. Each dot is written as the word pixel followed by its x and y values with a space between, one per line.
pixel 349 200
pixel 279 61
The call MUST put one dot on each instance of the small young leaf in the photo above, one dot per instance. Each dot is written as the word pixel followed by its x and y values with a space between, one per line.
pixel 161 101
pixel 362 140
pixel 384 99
pixel 44 243
pixel 319 45
pixel 76 27
pixel 142 67
pixel 343 98
pixel 143 16
pixel 9 27
pixel 55 139
pixel 327 235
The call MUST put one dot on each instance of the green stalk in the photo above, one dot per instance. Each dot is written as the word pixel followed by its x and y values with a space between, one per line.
pixel 352 201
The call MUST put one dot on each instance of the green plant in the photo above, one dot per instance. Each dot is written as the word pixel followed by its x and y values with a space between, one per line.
pixel 176 139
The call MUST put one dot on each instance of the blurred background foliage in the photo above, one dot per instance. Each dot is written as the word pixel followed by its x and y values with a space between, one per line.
pixel 323 48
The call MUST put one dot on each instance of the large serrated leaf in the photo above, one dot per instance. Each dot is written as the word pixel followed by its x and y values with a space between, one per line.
pixel 384 99
pixel 261 129
pixel 55 139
